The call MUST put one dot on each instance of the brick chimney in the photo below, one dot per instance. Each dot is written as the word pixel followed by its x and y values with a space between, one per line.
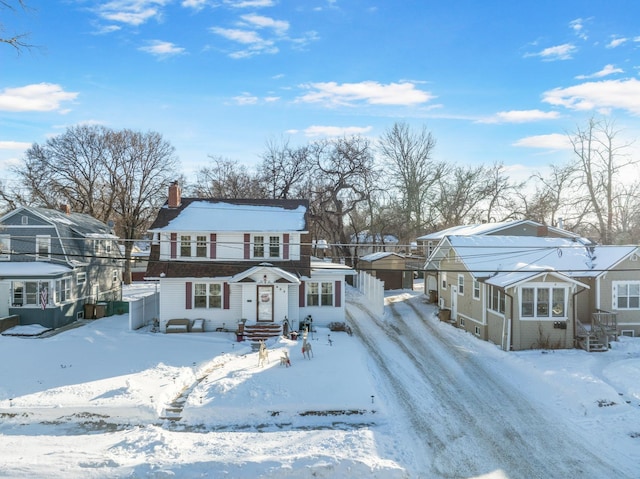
pixel 66 209
pixel 174 195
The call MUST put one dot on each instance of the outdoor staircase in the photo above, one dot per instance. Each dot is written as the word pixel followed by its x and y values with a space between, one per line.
pixel 262 331
pixel 595 337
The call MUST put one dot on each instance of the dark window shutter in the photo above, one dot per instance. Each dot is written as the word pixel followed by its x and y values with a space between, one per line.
pixel 212 246
pixel 338 294
pixel 188 294
pixel 285 246
pixel 301 295
pixel 247 246
pixel 174 245
pixel 226 291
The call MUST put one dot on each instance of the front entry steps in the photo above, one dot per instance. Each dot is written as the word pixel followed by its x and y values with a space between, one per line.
pixel 262 331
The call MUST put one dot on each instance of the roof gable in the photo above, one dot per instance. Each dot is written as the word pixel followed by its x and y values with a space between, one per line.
pixel 520 256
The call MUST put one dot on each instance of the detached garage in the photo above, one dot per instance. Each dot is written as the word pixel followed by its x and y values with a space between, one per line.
pixel 388 267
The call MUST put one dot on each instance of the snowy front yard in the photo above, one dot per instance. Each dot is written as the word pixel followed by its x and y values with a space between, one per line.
pixel 89 402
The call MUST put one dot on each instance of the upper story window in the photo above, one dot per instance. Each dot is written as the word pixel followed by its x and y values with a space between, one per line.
pixel 185 246
pixel 266 247
pixel 5 247
pixel 43 247
pixel 201 246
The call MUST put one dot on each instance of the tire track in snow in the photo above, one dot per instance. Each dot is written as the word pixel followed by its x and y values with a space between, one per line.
pixel 458 405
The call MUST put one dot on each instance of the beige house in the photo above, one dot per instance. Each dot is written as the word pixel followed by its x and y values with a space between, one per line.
pixel 527 292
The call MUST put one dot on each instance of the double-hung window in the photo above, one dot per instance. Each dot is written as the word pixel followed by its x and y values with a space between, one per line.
pixel 43 247
pixel 258 246
pixel 63 290
pixel 461 285
pixel 207 295
pixel 320 294
pixel 201 246
pixel 476 289
pixel 185 246
pixel 626 295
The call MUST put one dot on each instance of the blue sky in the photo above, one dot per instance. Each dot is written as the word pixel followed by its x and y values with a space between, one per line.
pixel 492 80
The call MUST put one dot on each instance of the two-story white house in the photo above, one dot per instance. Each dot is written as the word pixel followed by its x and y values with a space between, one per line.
pixel 227 260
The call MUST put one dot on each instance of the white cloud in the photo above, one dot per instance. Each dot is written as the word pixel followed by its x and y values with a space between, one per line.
pixel 606 71
pixel 246 99
pixel 249 3
pixel 279 26
pixel 335 131
pixel 577 26
pixel 616 42
pixel 558 52
pixel 553 141
pixel 521 116
pixel 14 145
pixel 35 97
pixel 195 4
pixel 131 12
pixel 602 95
pixel 374 93
pixel 162 49
pixel 256 44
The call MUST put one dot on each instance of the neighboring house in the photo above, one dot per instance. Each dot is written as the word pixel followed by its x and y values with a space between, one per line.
pixel 365 243
pixel 388 267
pixel 530 292
pixel 428 243
pixel 53 263
pixel 227 260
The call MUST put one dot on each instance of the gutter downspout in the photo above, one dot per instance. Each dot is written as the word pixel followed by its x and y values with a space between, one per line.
pixel 510 324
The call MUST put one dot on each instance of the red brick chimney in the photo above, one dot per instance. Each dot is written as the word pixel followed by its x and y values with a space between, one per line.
pixel 174 195
pixel 66 209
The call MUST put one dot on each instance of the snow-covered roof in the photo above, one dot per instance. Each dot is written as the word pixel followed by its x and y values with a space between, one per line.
pixel 487 228
pixel 232 216
pixel 506 260
pixel 379 255
pixel 28 269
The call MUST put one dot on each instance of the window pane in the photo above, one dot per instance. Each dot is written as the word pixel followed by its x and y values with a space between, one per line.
pixel 215 296
pixel 199 295
pixel 274 247
pixel 634 303
pixel 543 303
pixel 634 289
pixel 312 294
pixel 527 302
pixel 185 246
pixel 558 302
pixel 31 296
pixel 201 246
pixel 327 294
pixel 258 247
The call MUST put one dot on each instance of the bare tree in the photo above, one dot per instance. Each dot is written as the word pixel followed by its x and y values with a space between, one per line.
pixel 140 168
pixel 226 178
pixel 414 174
pixel 17 41
pixel 119 176
pixel 599 161
pixel 461 192
pixel 284 169
pixel 346 175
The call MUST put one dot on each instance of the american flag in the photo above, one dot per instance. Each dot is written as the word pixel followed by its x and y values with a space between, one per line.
pixel 43 297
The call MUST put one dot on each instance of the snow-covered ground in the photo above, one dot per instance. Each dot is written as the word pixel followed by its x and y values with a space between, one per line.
pixel 89 403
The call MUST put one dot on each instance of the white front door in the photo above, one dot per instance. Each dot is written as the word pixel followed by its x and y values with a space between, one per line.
pixel 265 303
pixel 454 303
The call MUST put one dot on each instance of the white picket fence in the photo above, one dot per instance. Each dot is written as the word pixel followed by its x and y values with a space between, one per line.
pixel 143 310
pixel 373 289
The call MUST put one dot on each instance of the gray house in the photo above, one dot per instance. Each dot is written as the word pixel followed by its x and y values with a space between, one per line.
pixel 55 266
